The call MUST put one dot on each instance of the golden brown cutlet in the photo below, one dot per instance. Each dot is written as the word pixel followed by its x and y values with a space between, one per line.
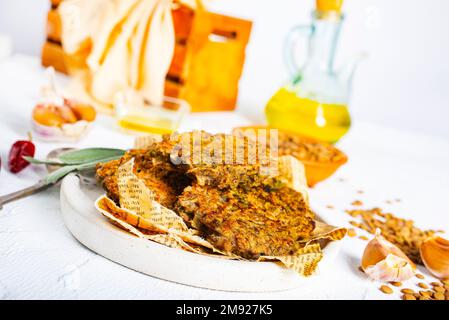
pixel 164 179
pixel 234 206
pixel 248 223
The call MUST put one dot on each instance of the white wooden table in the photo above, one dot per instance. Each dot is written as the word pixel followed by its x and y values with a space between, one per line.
pixel 39 259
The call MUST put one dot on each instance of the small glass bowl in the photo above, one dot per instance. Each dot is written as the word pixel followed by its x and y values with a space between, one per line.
pixel 135 114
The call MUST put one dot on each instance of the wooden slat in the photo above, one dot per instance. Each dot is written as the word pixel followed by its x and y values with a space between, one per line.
pixel 55 3
pixel 207 63
pixel 182 21
pixel 54 26
pixel 53 56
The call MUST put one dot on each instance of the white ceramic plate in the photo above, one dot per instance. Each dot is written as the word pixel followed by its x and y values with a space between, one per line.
pixel 95 232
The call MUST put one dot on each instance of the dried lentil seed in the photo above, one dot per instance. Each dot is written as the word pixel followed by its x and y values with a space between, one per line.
pixel 439 289
pixel 355 224
pixel 423 285
pixel 386 289
pixel 400 232
pixel 357 203
pixel 352 233
pixel 419 276
pixel 396 283
pixel 425 293
pixel 407 291
pixel 435 284
pixel 363 238
pixel 439 296
pixel 408 297
pixel 329 206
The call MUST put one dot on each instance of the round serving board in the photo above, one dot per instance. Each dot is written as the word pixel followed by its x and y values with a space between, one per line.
pixel 95 232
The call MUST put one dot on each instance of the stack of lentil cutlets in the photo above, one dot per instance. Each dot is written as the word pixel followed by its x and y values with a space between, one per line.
pixel 233 206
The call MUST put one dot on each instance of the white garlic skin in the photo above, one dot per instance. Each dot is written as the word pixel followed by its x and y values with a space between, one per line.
pixel 383 261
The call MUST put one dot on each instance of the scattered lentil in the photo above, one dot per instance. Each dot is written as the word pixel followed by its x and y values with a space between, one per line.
pixel 426 293
pixel 401 232
pixel 357 203
pixel 439 289
pixel 439 296
pixel 408 297
pixel 386 289
pixel 407 291
pixel 423 285
pixel 363 238
pixel 435 284
pixel 396 283
pixel 352 233
pixel 419 276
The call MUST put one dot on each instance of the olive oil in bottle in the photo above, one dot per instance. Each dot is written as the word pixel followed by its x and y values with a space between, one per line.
pixel 315 101
pixel 323 121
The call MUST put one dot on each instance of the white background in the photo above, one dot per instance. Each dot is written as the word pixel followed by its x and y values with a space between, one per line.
pixel 403 83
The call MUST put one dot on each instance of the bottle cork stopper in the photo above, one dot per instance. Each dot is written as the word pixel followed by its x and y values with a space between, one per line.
pixel 329 5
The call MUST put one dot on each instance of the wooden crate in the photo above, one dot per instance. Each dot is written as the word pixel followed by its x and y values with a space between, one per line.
pixel 207 62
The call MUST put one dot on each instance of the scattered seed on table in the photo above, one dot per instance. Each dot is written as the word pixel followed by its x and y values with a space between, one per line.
pixel 357 203
pixel 436 284
pixel 363 238
pixel 386 289
pixel 329 206
pixel 439 296
pixel 425 294
pixel 439 289
pixel 407 291
pixel 396 283
pixel 419 276
pixel 423 285
pixel 352 233
pixel 355 224
pixel 408 296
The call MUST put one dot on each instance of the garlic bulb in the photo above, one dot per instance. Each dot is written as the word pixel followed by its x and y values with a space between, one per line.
pixel 383 261
pixel 435 255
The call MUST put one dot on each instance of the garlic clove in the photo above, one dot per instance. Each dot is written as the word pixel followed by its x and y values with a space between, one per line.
pixel 392 268
pixel 435 255
pixel 383 261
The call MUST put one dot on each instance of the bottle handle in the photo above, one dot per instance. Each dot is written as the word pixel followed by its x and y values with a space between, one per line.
pixel 291 40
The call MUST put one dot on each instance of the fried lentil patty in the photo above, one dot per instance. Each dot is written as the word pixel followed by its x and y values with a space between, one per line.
pixel 163 178
pixel 234 206
pixel 248 223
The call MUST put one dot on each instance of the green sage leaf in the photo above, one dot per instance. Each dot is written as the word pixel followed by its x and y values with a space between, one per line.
pixel 37 161
pixel 89 155
pixel 55 176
